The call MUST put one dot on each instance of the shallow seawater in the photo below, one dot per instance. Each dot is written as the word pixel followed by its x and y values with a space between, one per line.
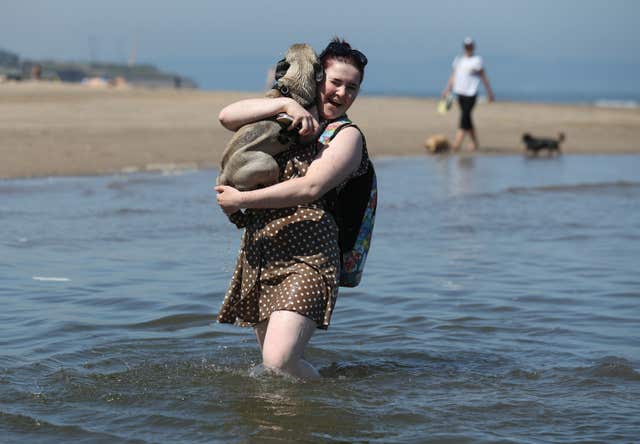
pixel 500 303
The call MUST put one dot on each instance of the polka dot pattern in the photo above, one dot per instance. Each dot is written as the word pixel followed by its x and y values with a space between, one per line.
pixel 289 259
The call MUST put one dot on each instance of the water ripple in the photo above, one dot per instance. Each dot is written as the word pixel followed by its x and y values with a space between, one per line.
pixel 175 322
pixel 498 305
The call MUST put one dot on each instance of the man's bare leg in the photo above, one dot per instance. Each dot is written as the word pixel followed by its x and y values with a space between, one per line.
pixel 457 141
pixel 473 145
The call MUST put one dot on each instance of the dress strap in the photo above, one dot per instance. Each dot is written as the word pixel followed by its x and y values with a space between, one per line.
pixel 332 128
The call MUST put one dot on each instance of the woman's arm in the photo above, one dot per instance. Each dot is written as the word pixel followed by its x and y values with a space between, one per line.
pixel 334 164
pixel 246 111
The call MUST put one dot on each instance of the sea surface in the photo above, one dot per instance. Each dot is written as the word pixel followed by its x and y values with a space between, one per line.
pixel 500 304
pixel 521 78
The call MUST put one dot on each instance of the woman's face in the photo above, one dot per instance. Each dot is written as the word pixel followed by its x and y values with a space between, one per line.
pixel 338 90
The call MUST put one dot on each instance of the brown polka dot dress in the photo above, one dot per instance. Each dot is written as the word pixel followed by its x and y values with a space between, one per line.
pixel 289 258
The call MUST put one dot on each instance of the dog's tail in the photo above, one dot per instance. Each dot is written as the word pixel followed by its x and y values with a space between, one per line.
pixel 561 137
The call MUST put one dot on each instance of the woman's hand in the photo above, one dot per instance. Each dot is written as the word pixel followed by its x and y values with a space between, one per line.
pixel 240 113
pixel 301 118
pixel 228 198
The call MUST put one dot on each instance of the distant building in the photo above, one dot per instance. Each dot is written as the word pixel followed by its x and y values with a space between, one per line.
pixel 71 75
pixel 146 75
pixel 9 66
pixel 9 59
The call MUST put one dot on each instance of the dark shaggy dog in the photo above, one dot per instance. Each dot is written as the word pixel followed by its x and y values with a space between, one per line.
pixel 533 145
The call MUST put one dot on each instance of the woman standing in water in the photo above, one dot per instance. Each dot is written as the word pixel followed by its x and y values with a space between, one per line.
pixel 285 283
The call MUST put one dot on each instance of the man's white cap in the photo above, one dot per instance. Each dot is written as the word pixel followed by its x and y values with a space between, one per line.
pixel 468 41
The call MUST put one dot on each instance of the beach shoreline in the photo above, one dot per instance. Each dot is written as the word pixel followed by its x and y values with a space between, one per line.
pixel 54 129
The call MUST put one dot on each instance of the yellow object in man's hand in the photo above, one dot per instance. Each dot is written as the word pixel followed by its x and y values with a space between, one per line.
pixel 444 105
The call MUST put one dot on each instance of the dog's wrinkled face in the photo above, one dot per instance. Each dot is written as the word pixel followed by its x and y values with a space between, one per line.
pixel 301 53
pixel 299 71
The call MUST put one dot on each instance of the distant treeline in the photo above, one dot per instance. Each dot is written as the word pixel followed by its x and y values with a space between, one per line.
pixel 143 74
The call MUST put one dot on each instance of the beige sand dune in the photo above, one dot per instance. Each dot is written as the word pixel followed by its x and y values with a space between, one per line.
pixel 60 129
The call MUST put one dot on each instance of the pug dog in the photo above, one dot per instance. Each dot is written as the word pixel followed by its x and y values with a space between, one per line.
pixel 248 159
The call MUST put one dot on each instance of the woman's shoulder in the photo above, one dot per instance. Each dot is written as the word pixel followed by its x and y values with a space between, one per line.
pixel 351 135
pixel 354 130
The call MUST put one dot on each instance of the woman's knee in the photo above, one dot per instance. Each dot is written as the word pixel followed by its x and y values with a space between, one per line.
pixel 286 338
pixel 277 358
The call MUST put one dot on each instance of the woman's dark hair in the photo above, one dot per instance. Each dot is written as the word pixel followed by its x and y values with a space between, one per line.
pixel 339 49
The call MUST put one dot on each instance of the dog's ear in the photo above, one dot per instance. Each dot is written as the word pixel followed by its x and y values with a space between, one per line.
pixel 319 72
pixel 281 68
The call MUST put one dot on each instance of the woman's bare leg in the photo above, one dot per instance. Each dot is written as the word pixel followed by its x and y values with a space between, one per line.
pixel 287 334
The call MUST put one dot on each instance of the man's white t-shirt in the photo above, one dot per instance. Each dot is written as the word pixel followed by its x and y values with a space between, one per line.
pixel 466 75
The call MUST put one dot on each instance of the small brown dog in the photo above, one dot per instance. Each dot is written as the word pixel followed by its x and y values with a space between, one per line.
pixel 247 161
pixel 437 143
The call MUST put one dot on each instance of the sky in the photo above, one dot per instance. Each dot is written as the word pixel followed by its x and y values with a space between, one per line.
pixel 551 46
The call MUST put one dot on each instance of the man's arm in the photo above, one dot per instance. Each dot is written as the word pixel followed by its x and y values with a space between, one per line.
pixel 447 89
pixel 487 85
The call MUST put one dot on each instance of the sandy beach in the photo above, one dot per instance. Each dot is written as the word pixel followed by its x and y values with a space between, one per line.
pixel 52 129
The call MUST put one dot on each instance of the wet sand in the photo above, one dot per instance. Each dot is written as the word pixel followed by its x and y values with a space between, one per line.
pixel 49 129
